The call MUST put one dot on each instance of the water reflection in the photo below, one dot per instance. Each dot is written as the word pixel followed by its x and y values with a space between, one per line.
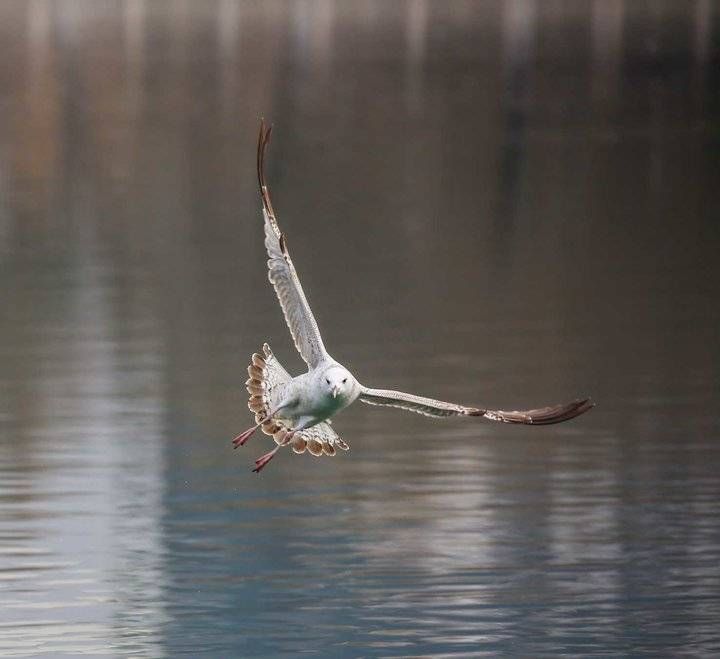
pixel 496 202
pixel 81 470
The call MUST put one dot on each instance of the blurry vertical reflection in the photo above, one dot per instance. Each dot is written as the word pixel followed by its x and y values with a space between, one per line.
pixel 37 118
pixel 607 31
pixel 314 23
pixel 229 28
pixel 134 93
pixel 83 473
pixel 82 466
pixel 518 28
pixel 702 29
pixel 705 17
pixel 416 35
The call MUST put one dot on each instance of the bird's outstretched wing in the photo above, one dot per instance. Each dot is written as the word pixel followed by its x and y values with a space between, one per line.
pixel 438 408
pixel 282 275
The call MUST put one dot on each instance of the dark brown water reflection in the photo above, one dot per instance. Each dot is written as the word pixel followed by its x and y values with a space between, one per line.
pixel 503 203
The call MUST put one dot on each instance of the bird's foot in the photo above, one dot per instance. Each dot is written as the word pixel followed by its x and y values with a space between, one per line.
pixel 243 437
pixel 264 459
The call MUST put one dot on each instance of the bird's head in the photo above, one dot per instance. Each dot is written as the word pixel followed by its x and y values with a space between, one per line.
pixel 339 381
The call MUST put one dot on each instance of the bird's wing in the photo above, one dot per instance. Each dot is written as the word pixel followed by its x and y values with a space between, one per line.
pixel 438 408
pixel 282 275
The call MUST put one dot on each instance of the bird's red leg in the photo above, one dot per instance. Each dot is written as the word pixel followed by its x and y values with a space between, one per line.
pixel 264 459
pixel 244 436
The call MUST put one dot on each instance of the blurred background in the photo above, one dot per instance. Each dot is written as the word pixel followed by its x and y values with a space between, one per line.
pixel 506 204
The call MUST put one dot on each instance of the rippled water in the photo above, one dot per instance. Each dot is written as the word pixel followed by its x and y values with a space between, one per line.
pixel 507 204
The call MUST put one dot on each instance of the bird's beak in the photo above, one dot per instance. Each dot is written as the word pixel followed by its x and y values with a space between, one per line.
pixel 335 391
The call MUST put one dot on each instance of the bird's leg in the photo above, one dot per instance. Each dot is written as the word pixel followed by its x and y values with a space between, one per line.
pixel 244 436
pixel 265 458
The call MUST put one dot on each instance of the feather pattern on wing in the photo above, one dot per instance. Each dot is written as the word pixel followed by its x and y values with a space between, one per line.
pixel 320 439
pixel 418 404
pixel 266 384
pixel 281 272
pixel 438 408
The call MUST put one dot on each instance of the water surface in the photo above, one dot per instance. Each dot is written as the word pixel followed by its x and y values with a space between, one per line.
pixel 505 204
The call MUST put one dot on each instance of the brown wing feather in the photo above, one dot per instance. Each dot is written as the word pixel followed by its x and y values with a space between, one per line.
pixel 542 416
pixel 263 141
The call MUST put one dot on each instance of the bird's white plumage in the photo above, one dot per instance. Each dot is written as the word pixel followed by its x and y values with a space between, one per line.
pixel 269 384
pixel 296 411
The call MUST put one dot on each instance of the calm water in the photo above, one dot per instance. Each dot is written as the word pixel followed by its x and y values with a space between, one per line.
pixel 507 204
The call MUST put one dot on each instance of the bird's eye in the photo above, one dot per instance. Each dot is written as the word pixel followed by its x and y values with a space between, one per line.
pixel 344 380
pixel 326 380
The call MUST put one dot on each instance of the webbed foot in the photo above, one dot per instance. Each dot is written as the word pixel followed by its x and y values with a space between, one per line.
pixel 264 459
pixel 243 437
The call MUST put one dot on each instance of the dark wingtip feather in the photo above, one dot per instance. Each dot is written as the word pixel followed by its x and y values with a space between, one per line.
pixel 263 141
pixel 260 150
pixel 560 413
pixel 543 416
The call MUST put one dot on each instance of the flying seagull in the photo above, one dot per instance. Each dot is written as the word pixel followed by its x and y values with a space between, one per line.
pixel 296 411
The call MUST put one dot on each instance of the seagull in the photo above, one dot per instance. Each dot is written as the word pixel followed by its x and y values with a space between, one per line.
pixel 296 411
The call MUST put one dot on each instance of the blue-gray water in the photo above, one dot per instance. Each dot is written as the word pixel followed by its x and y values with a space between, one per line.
pixel 506 204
